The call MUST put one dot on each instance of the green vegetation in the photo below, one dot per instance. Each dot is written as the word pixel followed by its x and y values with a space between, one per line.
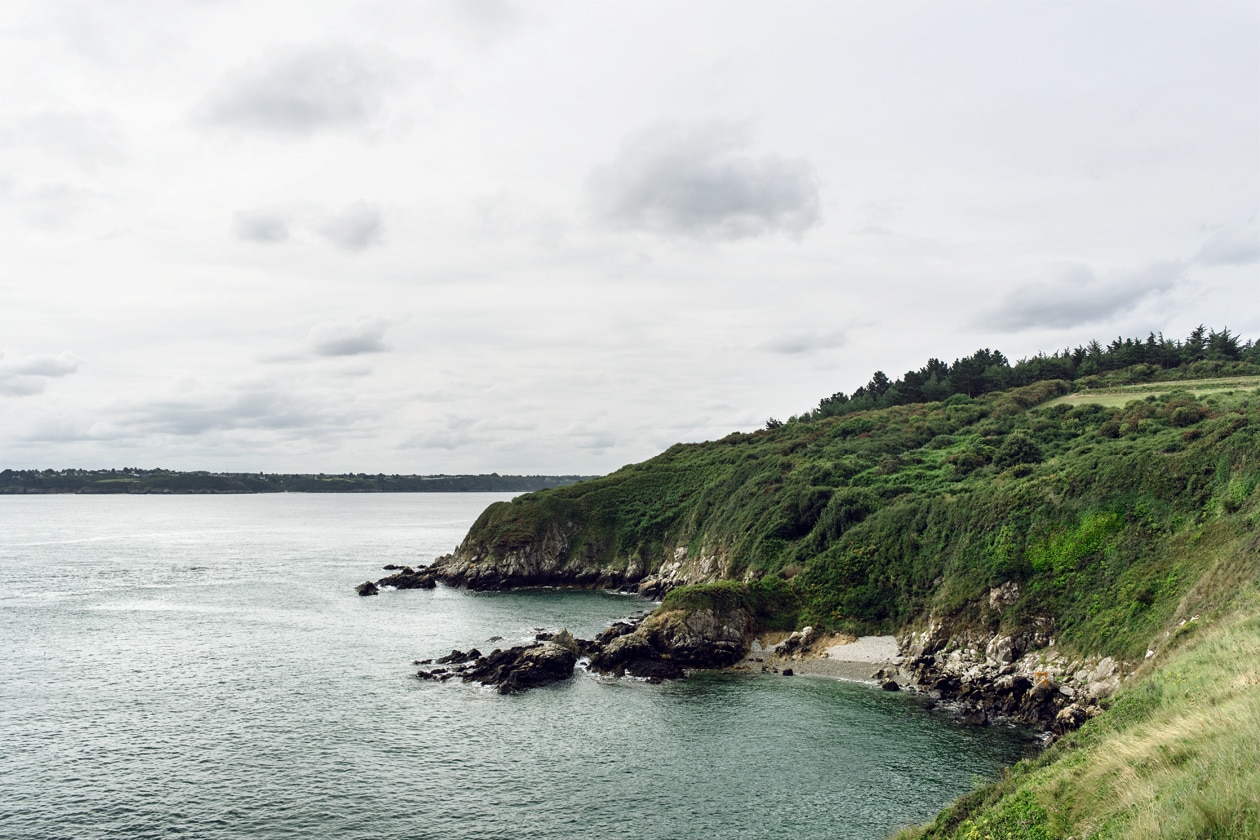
pixel 134 480
pixel 1123 503
pixel 875 519
pixel 1123 361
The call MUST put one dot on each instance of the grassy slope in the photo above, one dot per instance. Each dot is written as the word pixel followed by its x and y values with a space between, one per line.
pixel 1177 755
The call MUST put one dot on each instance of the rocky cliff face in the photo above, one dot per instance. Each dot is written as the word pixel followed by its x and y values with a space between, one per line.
pixel 1019 677
pixel 550 560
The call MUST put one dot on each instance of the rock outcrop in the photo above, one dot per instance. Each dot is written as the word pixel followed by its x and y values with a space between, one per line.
pixel 662 646
pixel 510 671
pixel 550 557
pixel 668 643
pixel 1020 677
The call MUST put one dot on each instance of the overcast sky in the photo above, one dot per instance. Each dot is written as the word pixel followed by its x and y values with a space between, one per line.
pixel 558 237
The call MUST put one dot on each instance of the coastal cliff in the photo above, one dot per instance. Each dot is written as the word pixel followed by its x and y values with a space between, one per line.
pixel 1035 522
pixel 1039 553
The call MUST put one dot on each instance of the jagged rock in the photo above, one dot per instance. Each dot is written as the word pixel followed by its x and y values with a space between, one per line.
pixel 459 656
pixel 617 630
pixel 521 668
pixel 798 643
pixel 410 578
pixel 1003 596
pixel 367 588
pixel 1069 718
pixel 890 685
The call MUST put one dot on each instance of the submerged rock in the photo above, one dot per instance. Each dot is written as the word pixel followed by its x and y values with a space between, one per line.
pixel 367 588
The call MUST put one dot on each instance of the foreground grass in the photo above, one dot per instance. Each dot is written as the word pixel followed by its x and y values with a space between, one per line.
pixel 1177 756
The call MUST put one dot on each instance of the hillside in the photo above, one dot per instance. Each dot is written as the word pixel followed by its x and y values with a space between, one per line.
pixel 1077 536
pixel 875 520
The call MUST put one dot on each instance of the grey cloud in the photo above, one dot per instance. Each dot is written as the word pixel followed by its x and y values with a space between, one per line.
pixel 1232 246
pixel 89 139
pixel 41 365
pixel 330 86
pixel 1072 293
pixel 804 342
pixel 26 376
pixel 260 226
pixel 356 228
pixel 349 338
pixel 253 409
pixel 701 182
pixel 21 386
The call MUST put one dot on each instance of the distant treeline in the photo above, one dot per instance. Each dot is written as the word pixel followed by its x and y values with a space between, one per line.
pixel 134 480
pixel 987 371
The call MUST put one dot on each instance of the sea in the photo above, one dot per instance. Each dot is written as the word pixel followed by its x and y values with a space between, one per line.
pixel 201 667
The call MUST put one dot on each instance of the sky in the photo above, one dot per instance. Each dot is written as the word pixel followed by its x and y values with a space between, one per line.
pixel 558 237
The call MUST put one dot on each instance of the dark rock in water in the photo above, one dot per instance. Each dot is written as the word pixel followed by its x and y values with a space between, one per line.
pixel 367 588
pixel 410 578
pixel 788 672
pixel 890 685
pixel 459 656
pixel 521 668
pixel 655 670
pixel 973 715
pixel 395 568
pixel 544 637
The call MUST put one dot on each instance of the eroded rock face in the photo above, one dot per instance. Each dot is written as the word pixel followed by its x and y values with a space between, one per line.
pixel 549 559
pixel 1019 677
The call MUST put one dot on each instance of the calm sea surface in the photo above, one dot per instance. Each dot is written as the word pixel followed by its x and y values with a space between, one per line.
pixel 200 666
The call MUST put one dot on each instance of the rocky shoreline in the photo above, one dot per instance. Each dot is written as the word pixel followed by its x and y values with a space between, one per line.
pixel 979 677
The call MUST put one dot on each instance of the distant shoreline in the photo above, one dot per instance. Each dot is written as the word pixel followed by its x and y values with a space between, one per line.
pixel 171 482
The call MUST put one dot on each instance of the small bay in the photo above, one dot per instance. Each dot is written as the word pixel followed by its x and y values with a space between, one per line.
pixel 200 666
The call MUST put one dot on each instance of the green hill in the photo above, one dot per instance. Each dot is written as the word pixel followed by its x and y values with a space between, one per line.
pixel 1115 513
